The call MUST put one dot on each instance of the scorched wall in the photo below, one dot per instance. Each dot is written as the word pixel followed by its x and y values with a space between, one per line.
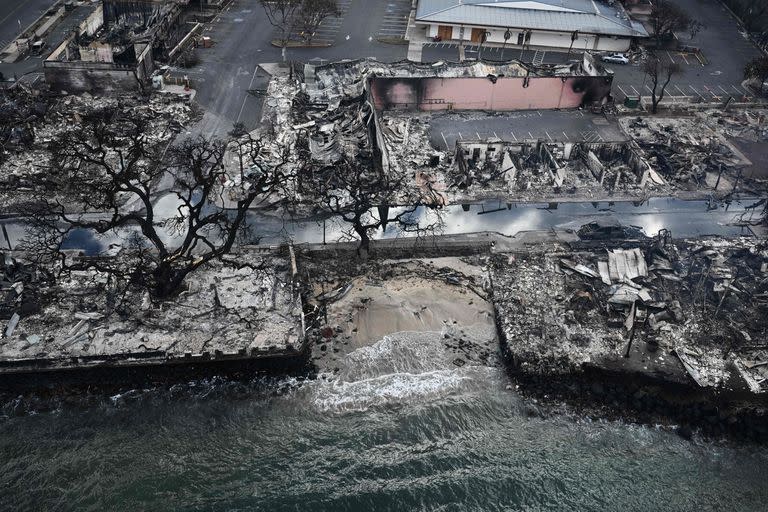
pixel 493 93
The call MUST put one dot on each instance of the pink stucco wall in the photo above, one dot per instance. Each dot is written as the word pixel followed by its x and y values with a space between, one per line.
pixel 484 94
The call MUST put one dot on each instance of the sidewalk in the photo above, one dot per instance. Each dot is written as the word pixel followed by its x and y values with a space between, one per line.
pixel 416 37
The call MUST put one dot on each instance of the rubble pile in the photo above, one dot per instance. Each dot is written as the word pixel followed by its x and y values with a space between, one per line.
pixel 20 110
pixel 533 170
pixel 689 155
pixel 21 287
pixel 242 306
pixel 24 171
pixel 698 308
pixel 408 151
pixel 747 124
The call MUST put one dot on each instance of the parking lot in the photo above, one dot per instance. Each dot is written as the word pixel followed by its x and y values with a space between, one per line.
pixel 328 30
pixel 394 20
pixel 547 125
pixel 714 75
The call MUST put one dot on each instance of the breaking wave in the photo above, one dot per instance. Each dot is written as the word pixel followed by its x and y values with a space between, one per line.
pixel 404 367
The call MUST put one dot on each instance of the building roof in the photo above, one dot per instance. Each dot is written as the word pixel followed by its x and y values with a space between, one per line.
pixel 588 16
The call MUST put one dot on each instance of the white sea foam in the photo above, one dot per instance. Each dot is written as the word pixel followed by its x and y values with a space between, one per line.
pixel 402 367
pixel 391 388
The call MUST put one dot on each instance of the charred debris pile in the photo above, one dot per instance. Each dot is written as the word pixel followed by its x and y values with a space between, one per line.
pixel 243 306
pixel 688 311
pixel 39 118
pixel 694 153
pixel 539 169
pixel 329 113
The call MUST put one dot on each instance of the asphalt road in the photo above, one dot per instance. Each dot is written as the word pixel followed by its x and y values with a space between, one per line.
pixel 31 64
pixel 16 15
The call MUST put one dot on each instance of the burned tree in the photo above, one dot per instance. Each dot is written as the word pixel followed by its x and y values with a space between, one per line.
pixel 367 200
pixel 312 14
pixel 282 15
pixel 106 178
pixel 666 18
pixel 661 73
pixel 757 69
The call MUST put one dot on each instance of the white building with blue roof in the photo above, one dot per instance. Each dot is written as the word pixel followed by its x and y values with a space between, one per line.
pixel 583 25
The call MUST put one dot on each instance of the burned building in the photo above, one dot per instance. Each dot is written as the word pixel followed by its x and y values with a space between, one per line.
pixel 341 110
pixel 687 311
pixel 116 46
pixel 551 168
pixel 446 127
pixel 464 86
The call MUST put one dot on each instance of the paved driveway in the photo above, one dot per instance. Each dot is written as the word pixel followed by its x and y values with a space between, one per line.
pixel 548 125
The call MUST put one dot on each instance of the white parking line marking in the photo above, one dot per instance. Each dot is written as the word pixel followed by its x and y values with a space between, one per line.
pixel 681 91
pixel 445 141
pixel 694 90
pixel 566 136
pixel 530 134
pixel 721 88
pixel 494 134
pixel 670 58
pixel 513 135
pixel 649 89
pixel 548 135
pixel 683 56
pixel 623 91
pixel 636 92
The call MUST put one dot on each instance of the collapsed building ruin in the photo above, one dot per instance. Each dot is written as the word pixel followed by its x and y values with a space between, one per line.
pixel 337 111
pixel 387 113
pixel 679 311
pixel 116 46
pixel 38 119
pixel 243 307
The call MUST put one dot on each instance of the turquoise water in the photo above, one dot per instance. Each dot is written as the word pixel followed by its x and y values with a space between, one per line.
pixel 391 431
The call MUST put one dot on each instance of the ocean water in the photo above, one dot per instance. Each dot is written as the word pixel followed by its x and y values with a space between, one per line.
pixel 398 427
